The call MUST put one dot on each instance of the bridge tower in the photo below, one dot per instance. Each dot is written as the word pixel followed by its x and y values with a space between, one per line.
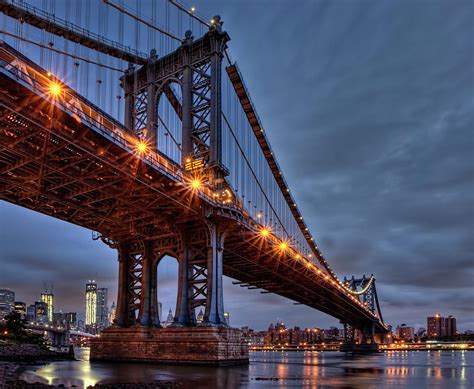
pixel 362 338
pixel 197 244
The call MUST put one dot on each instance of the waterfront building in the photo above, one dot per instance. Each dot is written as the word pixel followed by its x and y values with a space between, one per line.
pixel 169 320
pixel 102 308
pixel 438 326
pixel 405 332
pixel 91 307
pixel 20 308
pixel 451 329
pixel 48 299
pixel 7 302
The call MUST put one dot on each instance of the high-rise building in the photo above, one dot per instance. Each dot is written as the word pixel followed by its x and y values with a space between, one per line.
pixel 102 308
pixel 7 302
pixel 91 304
pixel 48 299
pixel 405 332
pixel 439 326
pixel 451 329
pixel 41 312
pixel 112 311
pixel 31 313
pixel 20 308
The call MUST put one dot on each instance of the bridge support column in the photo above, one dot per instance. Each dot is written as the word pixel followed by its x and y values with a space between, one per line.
pixel 122 315
pixel 214 314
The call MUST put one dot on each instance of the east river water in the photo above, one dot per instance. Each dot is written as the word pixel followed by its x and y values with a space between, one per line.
pixel 400 369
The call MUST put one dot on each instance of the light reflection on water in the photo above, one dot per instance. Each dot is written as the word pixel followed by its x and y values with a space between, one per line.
pixel 395 369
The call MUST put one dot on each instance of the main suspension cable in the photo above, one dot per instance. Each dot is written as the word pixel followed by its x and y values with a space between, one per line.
pixel 2 31
pixel 124 10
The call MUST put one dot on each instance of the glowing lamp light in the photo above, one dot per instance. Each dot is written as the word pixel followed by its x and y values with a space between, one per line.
pixel 196 184
pixel 55 89
pixel 298 256
pixel 264 232
pixel 259 215
pixel 193 9
pixel 142 147
pixel 283 245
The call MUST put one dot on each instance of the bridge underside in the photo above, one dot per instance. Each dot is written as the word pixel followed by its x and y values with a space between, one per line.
pixel 54 164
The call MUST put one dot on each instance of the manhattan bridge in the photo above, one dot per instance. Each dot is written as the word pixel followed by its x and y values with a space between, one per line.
pixel 131 119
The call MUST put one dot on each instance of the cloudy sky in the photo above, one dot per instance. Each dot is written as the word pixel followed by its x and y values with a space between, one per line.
pixel 375 101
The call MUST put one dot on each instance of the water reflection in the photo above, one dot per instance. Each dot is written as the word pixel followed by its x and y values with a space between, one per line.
pixel 281 370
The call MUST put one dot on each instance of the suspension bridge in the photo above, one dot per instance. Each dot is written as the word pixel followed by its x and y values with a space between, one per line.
pixel 133 121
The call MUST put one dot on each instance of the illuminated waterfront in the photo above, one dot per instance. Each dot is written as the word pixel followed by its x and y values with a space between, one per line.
pixel 393 369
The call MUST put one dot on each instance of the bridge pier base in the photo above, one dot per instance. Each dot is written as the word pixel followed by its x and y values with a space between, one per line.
pixel 219 346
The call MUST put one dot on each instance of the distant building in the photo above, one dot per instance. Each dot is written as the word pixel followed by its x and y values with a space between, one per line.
pixel 227 318
pixel 112 312
pixel 439 326
pixel 66 319
pixel 451 329
pixel 20 308
pixel 41 312
pixel 200 317
pixel 169 319
pixel 7 302
pixel 31 313
pixel 421 332
pixel 405 332
pixel 102 308
pixel 48 299
pixel 91 307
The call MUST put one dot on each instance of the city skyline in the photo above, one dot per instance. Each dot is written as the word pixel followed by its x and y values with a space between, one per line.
pixel 383 173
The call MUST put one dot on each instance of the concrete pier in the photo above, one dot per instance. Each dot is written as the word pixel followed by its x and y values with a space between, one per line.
pixel 177 345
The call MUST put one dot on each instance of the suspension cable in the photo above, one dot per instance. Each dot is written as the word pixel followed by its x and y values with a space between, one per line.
pixel 124 10
pixel 189 12
pixel 2 31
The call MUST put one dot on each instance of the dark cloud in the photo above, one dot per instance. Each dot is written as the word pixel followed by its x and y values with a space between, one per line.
pixel 375 101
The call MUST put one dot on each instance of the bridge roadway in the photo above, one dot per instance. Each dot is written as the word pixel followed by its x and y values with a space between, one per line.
pixel 64 157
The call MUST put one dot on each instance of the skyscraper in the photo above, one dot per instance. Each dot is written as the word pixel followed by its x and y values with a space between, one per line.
pixel 112 311
pixel 441 326
pixel 91 304
pixel 41 312
pixel 48 299
pixel 102 308
pixel 7 302
pixel 20 308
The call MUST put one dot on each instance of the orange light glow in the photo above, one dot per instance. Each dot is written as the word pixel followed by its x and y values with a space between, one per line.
pixel 298 256
pixel 55 89
pixel 283 246
pixel 142 147
pixel 264 232
pixel 196 184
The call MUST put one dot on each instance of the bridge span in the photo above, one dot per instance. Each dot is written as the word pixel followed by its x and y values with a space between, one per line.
pixel 219 208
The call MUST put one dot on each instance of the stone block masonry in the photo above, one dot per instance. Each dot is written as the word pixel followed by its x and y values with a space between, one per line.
pixel 176 345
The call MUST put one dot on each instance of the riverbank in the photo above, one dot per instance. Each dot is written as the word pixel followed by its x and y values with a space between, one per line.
pixel 14 355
